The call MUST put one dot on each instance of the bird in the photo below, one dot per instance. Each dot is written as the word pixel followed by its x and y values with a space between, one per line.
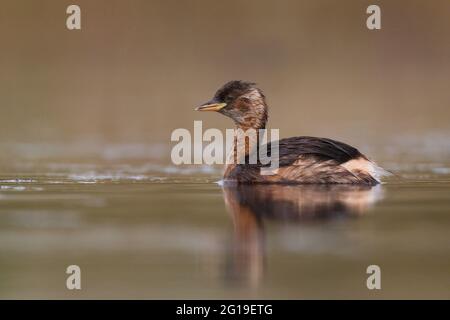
pixel 302 159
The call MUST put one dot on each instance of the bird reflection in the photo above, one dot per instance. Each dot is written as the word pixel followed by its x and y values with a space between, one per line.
pixel 250 206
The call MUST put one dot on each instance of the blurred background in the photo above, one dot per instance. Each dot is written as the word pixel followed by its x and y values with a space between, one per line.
pixel 137 69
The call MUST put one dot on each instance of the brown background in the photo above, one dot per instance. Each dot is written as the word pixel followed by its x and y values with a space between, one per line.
pixel 137 69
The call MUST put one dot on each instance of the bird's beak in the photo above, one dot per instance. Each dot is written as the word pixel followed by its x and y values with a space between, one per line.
pixel 211 107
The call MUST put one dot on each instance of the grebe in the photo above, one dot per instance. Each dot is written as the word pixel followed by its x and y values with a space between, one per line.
pixel 302 160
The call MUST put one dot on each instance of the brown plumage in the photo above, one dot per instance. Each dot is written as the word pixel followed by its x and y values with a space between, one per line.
pixel 301 159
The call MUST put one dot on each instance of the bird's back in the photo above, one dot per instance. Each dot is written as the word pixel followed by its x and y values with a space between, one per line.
pixel 311 160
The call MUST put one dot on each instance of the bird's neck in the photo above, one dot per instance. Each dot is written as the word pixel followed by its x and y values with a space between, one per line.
pixel 253 122
pixel 245 142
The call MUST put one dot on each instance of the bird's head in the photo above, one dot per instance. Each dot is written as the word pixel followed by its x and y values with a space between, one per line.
pixel 240 101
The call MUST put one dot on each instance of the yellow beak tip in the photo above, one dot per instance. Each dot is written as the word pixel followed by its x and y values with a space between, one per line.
pixel 211 107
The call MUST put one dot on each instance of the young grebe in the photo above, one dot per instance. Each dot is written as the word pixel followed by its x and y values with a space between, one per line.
pixel 301 159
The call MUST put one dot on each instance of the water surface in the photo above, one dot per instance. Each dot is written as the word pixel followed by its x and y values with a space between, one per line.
pixel 139 229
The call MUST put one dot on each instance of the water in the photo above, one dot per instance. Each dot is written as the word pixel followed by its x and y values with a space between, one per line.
pixel 145 229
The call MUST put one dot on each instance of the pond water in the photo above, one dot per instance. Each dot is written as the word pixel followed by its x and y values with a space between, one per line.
pixel 138 229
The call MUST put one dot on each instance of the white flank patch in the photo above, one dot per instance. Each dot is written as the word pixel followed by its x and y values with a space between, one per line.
pixel 366 166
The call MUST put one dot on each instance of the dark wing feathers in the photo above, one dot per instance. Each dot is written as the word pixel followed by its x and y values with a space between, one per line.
pixel 322 148
pixel 306 160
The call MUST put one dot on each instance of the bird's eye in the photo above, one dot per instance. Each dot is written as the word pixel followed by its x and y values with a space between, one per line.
pixel 229 98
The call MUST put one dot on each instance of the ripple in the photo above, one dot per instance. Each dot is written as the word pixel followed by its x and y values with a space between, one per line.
pixel 20 188
pixel 441 170
pixel 18 181
pixel 15 188
pixel 93 176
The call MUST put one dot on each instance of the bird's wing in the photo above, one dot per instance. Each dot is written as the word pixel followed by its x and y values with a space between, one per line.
pixel 312 160
pixel 291 149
